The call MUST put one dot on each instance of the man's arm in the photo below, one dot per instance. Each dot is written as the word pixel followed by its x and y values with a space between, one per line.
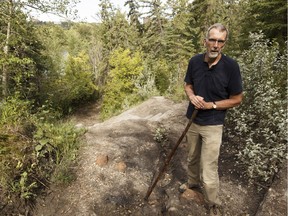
pixel 196 100
pixel 200 103
pixel 232 101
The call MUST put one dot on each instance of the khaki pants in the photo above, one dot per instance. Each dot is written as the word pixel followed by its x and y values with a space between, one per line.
pixel 203 153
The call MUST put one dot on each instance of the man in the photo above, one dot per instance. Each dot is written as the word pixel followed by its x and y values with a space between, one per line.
pixel 213 84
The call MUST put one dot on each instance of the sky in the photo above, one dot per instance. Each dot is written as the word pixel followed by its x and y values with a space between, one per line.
pixel 87 11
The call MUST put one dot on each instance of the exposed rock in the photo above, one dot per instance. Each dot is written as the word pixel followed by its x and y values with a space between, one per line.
pixel 121 166
pixel 191 195
pixel 80 125
pixel 102 160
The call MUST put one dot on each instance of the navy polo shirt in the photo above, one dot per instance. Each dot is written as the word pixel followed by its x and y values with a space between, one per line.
pixel 213 84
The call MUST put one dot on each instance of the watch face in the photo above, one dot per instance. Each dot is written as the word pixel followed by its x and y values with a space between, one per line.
pixel 214 106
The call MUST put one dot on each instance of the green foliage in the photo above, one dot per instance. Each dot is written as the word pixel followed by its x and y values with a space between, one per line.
pixel 59 142
pixel 115 29
pixel 32 147
pixel 270 17
pixel 54 40
pixel 134 14
pixel 161 135
pixel 261 120
pixel 51 69
pixel 162 75
pixel 75 85
pixel 75 66
pixel 145 83
pixel 153 35
pixel 13 111
pixel 120 86
pixel 78 38
pixel 180 34
pixel 175 92
pixel 56 140
pixel 21 61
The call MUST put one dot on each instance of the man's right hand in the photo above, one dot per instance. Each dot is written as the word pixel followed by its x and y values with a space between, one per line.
pixel 197 101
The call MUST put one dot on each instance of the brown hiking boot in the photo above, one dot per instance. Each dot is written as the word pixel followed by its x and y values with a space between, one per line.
pixel 186 186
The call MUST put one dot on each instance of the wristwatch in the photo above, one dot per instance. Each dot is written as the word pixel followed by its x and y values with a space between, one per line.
pixel 214 106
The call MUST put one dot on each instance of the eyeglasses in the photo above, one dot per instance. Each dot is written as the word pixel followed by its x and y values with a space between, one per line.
pixel 220 42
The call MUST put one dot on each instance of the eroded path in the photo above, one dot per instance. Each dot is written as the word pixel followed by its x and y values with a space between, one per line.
pixel 119 159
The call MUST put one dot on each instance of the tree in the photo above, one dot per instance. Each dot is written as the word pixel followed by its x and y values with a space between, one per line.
pixel 74 86
pixel 204 13
pixel 115 33
pixel 120 86
pixel 179 42
pixel 62 8
pixel 87 36
pixel 179 36
pixel 21 59
pixel 7 6
pixel 267 16
pixel 12 13
pixel 154 22
pixel 134 14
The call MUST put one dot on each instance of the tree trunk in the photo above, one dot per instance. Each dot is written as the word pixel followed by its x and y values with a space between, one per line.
pixel 5 76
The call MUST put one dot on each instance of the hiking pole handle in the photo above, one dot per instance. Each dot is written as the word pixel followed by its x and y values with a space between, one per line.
pixel 150 189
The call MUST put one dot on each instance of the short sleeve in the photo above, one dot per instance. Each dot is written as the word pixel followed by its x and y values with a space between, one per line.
pixel 235 83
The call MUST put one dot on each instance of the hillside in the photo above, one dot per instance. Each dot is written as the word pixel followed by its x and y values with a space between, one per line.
pixel 120 157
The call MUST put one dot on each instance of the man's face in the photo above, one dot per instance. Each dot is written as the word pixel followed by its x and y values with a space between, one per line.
pixel 215 42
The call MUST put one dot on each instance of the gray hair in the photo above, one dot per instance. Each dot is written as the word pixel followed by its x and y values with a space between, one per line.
pixel 220 27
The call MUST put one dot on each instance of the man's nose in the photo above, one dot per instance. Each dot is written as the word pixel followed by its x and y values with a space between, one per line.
pixel 216 44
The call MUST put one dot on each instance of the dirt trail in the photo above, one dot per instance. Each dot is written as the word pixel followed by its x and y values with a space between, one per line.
pixel 120 157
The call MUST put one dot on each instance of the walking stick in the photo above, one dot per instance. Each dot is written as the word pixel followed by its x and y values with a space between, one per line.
pixel 150 189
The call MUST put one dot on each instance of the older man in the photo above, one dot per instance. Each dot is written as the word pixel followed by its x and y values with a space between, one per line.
pixel 213 84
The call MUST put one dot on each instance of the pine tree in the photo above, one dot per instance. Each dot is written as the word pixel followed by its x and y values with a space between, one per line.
pixel 154 24
pixel 267 16
pixel 134 15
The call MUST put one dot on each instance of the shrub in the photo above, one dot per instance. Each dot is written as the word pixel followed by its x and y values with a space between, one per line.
pixel 261 121
pixel 162 76
pixel 121 81
pixel 74 86
pixel 160 135
pixel 32 147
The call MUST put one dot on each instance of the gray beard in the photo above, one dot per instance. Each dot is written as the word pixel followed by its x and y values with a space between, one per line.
pixel 213 54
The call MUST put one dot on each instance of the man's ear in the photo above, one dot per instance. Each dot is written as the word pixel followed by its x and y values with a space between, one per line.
pixel 204 42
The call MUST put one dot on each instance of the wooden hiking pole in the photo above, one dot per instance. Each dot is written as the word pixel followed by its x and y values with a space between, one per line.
pixel 162 169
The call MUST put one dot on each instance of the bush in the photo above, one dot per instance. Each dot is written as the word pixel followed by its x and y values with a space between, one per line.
pixel 261 121
pixel 74 86
pixel 120 89
pixel 32 147
pixel 162 75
